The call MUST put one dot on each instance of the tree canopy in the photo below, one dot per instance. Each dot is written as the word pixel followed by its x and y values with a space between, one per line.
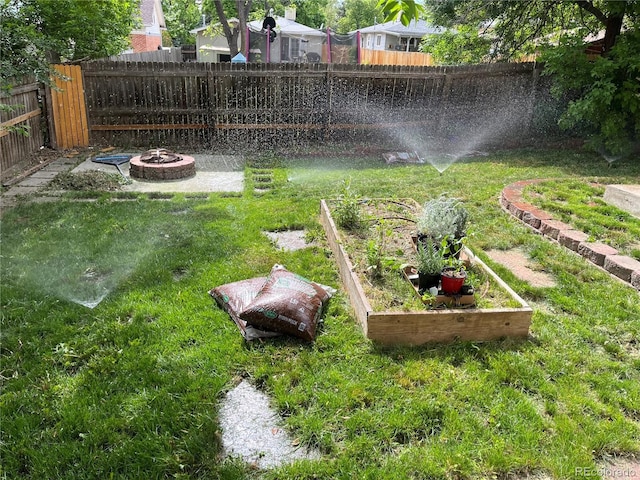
pixel 520 27
pixel 603 92
pixel 36 32
pixel 181 16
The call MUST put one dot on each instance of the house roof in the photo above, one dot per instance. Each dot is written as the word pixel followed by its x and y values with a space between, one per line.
pixel 287 27
pixel 417 28
pixel 146 12
pixel 283 26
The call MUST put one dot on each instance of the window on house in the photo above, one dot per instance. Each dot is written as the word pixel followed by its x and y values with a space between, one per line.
pixel 378 40
pixel 295 47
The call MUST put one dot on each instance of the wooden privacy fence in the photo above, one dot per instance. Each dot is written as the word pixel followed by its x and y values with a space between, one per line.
pixel 20 132
pixel 265 105
pixel 68 115
pixel 393 57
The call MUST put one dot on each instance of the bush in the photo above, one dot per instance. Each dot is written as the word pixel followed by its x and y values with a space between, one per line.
pixel 605 92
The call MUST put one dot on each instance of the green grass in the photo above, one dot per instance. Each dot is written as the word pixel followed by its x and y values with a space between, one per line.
pixel 130 388
pixel 580 203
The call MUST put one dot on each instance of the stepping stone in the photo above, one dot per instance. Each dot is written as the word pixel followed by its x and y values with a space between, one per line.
pixel 253 431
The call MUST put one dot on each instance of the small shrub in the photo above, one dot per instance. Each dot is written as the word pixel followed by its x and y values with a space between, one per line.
pixel 347 211
pixel 443 218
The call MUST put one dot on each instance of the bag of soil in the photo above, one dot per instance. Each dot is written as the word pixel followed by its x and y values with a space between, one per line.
pixel 234 297
pixel 287 303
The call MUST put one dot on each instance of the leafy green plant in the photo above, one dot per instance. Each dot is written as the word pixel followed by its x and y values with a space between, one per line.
pixel 443 217
pixel 429 258
pixel 347 211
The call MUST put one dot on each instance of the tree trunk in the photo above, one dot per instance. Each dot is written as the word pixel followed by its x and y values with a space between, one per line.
pixel 244 8
pixel 613 29
pixel 231 34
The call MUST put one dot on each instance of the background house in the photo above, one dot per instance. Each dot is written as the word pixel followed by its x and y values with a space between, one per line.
pixel 149 36
pixel 294 42
pixel 212 49
pixel 395 36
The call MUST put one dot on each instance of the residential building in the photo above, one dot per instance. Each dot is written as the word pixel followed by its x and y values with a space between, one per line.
pixel 148 36
pixel 395 36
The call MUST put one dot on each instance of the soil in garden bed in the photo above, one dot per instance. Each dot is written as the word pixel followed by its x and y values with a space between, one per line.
pixel 382 246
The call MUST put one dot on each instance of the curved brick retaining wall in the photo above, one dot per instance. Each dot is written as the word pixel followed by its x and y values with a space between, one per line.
pixel 605 256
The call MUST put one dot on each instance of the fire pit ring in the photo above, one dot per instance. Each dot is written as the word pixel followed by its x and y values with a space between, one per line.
pixel 161 164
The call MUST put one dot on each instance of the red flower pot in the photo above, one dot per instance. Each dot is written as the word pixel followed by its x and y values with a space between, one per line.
pixel 452 281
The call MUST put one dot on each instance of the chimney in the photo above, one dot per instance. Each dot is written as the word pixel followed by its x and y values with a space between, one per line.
pixel 290 13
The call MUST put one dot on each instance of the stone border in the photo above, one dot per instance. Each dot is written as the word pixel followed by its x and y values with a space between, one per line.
pixel 623 267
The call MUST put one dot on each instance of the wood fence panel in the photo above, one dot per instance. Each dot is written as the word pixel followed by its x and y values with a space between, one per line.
pixel 68 110
pixel 393 57
pixel 259 105
pixel 26 116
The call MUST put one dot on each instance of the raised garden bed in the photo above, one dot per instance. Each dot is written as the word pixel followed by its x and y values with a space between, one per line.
pixel 419 326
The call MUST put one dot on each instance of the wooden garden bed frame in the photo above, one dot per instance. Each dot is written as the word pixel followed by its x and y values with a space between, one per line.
pixel 419 327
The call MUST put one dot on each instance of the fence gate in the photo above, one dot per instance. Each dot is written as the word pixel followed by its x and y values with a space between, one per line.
pixel 20 132
pixel 68 110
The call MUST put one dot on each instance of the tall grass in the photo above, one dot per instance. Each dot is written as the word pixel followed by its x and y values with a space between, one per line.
pixel 131 387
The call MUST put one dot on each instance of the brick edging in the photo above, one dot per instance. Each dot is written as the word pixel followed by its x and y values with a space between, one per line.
pixel 625 268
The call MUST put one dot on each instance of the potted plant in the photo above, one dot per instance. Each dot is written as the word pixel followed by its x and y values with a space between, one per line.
pixel 429 261
pixel 453 275
pixel 443 219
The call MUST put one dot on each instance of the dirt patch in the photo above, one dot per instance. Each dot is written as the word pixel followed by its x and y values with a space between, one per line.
pixel 522 267
pixel 619 468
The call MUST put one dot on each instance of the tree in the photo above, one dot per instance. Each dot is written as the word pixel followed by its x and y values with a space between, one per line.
pixel 225 11
pixel 181 17
pixel 604 92
pixel 519 26
pixel 311 13
pixel 23 46
pixel 65 29
pixel 82 29
pixel 456 47
pixel 403 10
pixel 358 14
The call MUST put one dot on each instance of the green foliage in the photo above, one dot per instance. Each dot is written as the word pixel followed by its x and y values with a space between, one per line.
pixel 181 16
pixel 37 32
pixel 605 92
pixel 462 46
pixel 355 14
pixel 84 30
pixel 23 46
pixel 347 212
pixel 429 257
pixel 403 10
pixel 443 218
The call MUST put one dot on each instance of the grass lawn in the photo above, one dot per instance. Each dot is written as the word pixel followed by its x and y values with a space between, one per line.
pixel 130 388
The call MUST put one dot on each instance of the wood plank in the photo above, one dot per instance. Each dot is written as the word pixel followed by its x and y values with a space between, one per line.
pixel 19 119
pixel 358 299
pixel 416 328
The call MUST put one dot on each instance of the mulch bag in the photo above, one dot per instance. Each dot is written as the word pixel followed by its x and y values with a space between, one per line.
pixel 234 297
pixel 287 303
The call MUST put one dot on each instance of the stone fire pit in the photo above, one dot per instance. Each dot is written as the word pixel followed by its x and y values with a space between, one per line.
pixel 161 164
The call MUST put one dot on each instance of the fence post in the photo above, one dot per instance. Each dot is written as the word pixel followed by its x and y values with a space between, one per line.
pixel 358 47
pixel 246 44
pixel 268 60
